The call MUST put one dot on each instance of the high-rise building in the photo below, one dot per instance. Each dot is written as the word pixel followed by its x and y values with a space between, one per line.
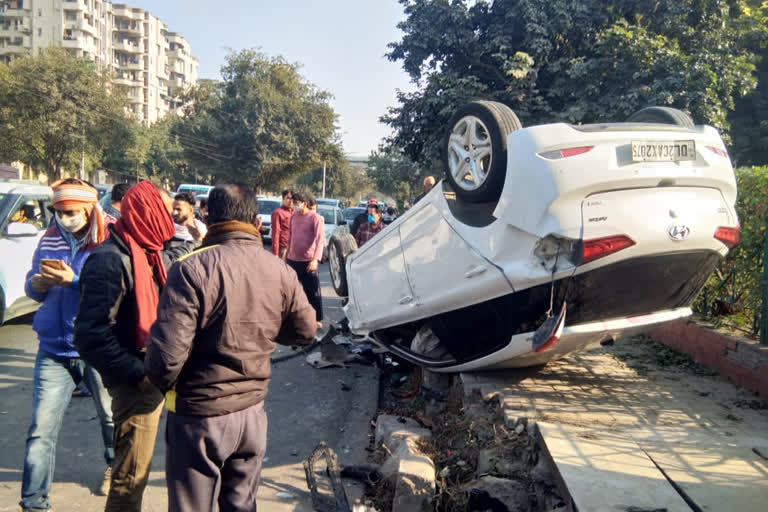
pixel 153 64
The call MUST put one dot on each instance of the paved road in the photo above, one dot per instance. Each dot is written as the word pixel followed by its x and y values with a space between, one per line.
pixel 305 406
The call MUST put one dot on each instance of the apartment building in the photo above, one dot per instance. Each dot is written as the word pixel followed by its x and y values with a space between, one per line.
pixel 151 62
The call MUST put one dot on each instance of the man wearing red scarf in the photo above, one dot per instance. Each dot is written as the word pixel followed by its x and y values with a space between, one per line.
pixel 120 285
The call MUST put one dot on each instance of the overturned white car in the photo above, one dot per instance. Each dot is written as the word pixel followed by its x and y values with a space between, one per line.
pixel 544 240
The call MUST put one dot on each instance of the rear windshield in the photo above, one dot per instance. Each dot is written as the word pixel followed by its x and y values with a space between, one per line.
pixel 195 189
pixel 267 207
pixel 328 215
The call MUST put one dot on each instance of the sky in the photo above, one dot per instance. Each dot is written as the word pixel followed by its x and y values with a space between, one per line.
pixel 339 43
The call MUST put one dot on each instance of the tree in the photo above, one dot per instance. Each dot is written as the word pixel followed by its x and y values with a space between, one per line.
pixel 394 174
pixel 262 124
pixel 53 107
pixel 579 61
pixel 342 180
pixel 750 117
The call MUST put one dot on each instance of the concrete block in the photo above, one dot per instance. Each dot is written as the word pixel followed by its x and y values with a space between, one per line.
pixel 387 425
pixel 508 493
pixel 492 461
pixel 415 485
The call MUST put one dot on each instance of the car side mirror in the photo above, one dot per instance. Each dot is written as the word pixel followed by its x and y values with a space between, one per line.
pixel 21 229
pixel 341 222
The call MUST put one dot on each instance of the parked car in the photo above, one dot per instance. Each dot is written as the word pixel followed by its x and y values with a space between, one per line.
pixel 24 217
pixel 351 213
pixel 266 206
pixel 338 203
pixel 545 240
pixel 334 222
pixel 195 189
pixel 102 190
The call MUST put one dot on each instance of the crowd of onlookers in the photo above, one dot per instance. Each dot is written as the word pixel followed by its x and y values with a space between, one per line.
pixel 149 302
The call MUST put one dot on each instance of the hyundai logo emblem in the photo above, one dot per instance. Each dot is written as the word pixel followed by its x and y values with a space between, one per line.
pixel 679 232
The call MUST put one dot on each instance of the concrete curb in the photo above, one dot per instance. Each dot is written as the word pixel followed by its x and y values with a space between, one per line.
pixel 414 472
pixel 743 362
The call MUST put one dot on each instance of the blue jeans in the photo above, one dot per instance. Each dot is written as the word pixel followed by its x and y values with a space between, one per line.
pixel 54 380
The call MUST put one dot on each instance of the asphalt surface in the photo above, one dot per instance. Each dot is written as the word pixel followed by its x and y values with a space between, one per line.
pixel 305 406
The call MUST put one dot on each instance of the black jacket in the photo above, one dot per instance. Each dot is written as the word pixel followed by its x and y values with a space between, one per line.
pixel 106 317
pixel 221 312
pixel 360 219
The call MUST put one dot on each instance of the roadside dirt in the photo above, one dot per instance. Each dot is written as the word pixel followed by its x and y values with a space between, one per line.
pixel 469 442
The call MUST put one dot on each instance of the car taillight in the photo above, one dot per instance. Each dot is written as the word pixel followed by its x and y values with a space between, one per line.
pixel 718 151
pixel 601 247
pixel 729 236
pixel 565 153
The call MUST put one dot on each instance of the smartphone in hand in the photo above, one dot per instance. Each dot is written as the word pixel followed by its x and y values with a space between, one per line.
pixel 52 264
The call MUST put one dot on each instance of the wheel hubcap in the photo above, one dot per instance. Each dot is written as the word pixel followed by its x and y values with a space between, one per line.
pixel 469 153
pixel 333 262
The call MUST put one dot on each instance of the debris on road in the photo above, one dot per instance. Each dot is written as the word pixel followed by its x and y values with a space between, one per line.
pixel 322 502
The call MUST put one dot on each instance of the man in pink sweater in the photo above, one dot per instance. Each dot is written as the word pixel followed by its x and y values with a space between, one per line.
pixel 305 250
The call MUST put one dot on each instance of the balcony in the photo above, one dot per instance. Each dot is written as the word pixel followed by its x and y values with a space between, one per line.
pixel 126 81
pixel 74 5
pixel 126 46
pixel 178 54
pixel 128 28
pixel 87 27
pixel 72 42
pixel 136 98
pixel 11 49
pixel 129 65
pixel 14 30
pixel 125 11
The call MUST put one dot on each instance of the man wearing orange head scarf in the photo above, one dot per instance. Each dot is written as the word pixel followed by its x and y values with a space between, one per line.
pixel 120 287
pixel 54 280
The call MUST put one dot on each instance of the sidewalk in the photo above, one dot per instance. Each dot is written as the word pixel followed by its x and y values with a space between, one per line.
pixel 618 435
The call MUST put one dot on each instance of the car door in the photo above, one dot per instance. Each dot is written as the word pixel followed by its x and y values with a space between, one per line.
pixel 21 249
pixel 445 273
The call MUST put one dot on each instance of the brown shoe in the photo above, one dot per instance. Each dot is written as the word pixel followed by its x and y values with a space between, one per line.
pixel 106 482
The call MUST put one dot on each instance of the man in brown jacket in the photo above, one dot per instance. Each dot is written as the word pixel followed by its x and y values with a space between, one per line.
pixel 222 310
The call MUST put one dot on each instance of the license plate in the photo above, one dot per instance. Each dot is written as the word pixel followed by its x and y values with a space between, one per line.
pixel 663 151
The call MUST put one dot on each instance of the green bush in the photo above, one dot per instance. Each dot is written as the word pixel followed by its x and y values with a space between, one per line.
pixel 735 289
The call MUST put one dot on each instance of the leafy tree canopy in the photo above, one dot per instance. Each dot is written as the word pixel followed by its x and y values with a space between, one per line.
pixel 395 174
pixel 53 107
pixel 579 61
pixel 262 124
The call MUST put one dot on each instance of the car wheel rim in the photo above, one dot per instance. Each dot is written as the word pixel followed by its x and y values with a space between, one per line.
pixel 333 261
pixel 469 153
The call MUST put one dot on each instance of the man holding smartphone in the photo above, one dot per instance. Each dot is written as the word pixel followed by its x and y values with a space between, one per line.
pixel 54 280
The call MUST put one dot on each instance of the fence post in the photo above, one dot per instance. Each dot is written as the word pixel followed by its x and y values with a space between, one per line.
pixel 764 286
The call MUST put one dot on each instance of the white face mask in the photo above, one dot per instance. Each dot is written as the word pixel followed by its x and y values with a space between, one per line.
pixel 72 224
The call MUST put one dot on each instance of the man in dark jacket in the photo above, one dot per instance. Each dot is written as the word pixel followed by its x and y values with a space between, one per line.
pixel 119 289
pixel 362 217
pixel 220 314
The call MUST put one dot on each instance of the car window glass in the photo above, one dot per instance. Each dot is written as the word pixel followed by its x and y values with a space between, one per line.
pixel 45 206
pixel 30 211
pixel 267 207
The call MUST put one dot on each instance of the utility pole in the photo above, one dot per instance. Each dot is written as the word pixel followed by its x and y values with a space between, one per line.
pixel 323 178
pixel 82 157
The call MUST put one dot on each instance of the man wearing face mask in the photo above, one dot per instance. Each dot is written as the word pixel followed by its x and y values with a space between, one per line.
pixel 370 228
pixel 54 280
pixel 305 250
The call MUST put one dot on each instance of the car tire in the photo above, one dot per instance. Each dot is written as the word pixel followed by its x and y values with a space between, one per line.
pixel 489 123
pixel 339 249
pixel 662 115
